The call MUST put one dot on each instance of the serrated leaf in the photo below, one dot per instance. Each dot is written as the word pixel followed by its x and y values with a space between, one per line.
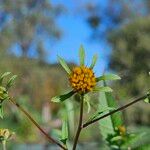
pixel 62 98
pixel 11 81
pixel 1 111
pixel 100 113
pixel 94 60
pixel 64 65
pixel 108 124
pixel 108 77
pixel 82 55
pixel 103 89
pixel 64 134
pixel 3 76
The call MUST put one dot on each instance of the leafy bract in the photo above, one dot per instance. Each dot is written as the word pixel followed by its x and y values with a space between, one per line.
pixel 108 77
pixel 62 98
pixel 81 55
pixel 94 60
pixel 103 89
pixel 64 65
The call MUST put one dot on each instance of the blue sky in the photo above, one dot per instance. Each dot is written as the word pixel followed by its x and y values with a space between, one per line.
pixel 76 32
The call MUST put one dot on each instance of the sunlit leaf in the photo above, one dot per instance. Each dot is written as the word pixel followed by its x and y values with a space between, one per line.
pixel 147 100
pixel 100 113
pixel 82 55
pixel 64 134
pixel 116 138
pixel 108 77
pixel 108 124
pixel 62 98
pixel 64 65
pixel 11 81
pixel 94 60
pixel 103 89
pixel 3 76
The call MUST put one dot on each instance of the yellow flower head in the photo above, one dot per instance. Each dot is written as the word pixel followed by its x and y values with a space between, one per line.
pixel 122 130
pixel 82 79
pixel 5 134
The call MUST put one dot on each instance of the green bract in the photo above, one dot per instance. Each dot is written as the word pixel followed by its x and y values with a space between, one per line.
pixel 63 97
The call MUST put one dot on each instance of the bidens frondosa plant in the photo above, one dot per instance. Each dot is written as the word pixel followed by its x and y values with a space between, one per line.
pixel 82 81
pixel 82 78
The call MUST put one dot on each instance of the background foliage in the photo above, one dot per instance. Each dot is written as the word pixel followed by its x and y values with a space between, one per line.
pixel 26 26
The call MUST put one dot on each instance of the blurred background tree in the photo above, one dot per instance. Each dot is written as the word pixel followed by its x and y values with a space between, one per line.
pixel 25 25
pixel 130 50
pixel 130 56
pixel 125 27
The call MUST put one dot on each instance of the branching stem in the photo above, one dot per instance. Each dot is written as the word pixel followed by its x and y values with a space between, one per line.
pixel 49 138
pixel 114 111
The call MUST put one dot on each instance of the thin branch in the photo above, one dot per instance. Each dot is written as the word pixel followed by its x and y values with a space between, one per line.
pixel 80 124
pixel 114 111
pixel 49 138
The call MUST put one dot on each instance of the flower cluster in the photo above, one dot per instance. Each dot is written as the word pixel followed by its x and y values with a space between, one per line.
pixel 82 79
pixel 5 135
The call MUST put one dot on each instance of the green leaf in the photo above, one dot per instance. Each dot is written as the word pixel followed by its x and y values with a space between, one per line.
pixel 116 138
pixel 3 76
pixel 147 100
pixel 11 81
pixel 108 77
pixel 64 134
pixel 1 110
pixel 70 113
pixel 103 89
pixel 136 140
pixel 108 124
pixel 94 60
pixel 82 55
pixel 100 113
pixel 3 93
pixel 64 65
pixel 62 98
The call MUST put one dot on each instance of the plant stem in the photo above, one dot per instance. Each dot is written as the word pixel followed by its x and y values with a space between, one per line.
pixel 4 145
pixel 49 138
pixel 114 111
pixel 80 123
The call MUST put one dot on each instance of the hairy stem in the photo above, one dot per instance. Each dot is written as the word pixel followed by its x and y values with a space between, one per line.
pixel 80 123
pixel 49 138
pixel 114 111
